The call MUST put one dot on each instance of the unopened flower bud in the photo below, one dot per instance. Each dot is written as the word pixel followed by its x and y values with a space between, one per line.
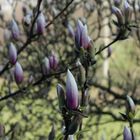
pixel 130 107
pixel 127 12
pixel 46 66
pixel 41 23
pixel 127 134
pixel 53 60
pixel 78 34
pixel 74 125
pixel 86 98
pixel 18 73
pixel 61 96
pixel 70 31
pixel 118 14
pixel 71 92
pixel 81 75
pixel 15 30
pixel 85 39
pixel 12 52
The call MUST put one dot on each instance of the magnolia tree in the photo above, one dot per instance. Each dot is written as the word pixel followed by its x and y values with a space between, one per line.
pixel 52 42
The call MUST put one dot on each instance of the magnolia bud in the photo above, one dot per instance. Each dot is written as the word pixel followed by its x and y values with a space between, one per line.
pixel 71 92
pixel 86 98
pixel 85 39
pixel 12 52
pixel 70 31
pixel 81 75
pixel 73 126
pixel 130 107
pixel 118 14
pixel 78 34
pixel 41 23
pixel 46 66
pixel 61 96
pixel 127 12
pixel 127 134
pixel 18 73
pixel 53 60
pixel 14 30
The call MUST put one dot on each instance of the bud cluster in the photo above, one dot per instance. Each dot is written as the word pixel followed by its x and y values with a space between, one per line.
pixel 50 63
pixel 123 15
pixel 69 104
pixel 12 54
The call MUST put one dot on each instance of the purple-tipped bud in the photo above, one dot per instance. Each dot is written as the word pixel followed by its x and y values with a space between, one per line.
pixel 118 14
pixel 15 30
pixel 130 106
pixel 127 134
pixel 127 12
pixel 46 66
pixel 12 52
pixel 18 73
pixel 41 23
pixel 78 34
pixel 85 39
pixel 71 92
pixel 61 96
pixel 70 31
pixel 53 60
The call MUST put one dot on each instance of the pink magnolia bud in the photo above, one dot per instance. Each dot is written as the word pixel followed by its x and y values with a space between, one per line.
pixel 53 60
pixel 41 23
pixel 127 134
pixel 14 30
pixel 71 92
pixel 78 34
pixel 46 66
pixel 18 73
pixel 118 13
pixel 12 52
